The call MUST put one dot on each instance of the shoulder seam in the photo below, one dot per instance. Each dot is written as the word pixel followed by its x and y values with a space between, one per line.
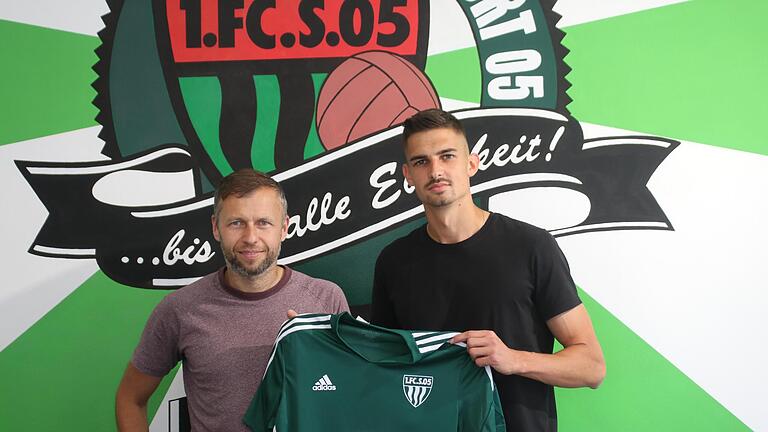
pixel 315 291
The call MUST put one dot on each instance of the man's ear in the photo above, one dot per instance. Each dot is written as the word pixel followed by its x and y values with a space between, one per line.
pixel 407 175
pixel 284 233
pixel 473 164
pixel 215 229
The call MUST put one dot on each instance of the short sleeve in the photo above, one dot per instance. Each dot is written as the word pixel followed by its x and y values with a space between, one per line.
pixel 261 415
pixel 555 291
pixel 316 295
pixel 339 301
pixel 157 352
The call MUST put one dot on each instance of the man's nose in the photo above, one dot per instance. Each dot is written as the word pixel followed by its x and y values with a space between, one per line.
pixel 250 234
pixel 436 169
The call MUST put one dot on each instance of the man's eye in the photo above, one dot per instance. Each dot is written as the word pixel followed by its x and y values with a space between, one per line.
pixel 419 162
pixel 448 156
pixel 236 223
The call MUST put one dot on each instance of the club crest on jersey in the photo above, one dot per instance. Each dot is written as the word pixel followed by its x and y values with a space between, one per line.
pixel 417 388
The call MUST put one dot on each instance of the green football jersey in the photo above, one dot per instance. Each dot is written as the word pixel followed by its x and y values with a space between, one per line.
pixel 336 373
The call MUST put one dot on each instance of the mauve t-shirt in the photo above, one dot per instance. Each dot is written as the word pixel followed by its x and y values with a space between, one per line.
pixel 224 337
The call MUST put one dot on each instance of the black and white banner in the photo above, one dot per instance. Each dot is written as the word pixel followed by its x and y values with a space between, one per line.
pixel 336 199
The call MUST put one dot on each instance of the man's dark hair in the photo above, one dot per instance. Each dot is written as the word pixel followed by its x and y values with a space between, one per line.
pixel 431 119
pixel 241 183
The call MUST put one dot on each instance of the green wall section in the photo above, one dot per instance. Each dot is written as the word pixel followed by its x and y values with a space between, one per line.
pixel 456 74
pixel 642 391
pixel 694 71
pixel 63 372
pixel 45 81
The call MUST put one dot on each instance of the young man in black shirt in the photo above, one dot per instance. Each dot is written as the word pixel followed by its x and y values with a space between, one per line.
pixel 505 284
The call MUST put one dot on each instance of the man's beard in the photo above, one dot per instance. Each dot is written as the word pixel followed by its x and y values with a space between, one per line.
pixel 238 267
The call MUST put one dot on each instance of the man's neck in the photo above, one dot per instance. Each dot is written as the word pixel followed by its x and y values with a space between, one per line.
pixel 256 284
pixel 455 223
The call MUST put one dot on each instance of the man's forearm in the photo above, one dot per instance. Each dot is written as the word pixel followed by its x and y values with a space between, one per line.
pixel 131 400
pixel 131 417
pixel 574 366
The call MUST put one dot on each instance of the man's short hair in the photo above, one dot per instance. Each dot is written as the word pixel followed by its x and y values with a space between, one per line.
pixel 241 183
pixel 431 119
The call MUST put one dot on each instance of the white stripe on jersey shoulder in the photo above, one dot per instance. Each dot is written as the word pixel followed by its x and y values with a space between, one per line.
pixel 294 329
pixel 303 319
pixel 438 337
pixel 299 323
pixel 432 343
pixel 490 375
pixel 420 334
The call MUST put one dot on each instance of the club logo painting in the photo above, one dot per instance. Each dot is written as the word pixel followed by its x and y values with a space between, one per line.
pixel 313 92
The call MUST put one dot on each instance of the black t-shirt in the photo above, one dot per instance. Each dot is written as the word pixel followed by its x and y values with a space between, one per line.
pixel 510 277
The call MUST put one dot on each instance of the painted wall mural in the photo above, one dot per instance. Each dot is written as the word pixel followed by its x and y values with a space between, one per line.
pixel 629 130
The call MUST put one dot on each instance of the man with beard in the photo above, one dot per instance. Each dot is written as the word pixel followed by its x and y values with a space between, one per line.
pixel 505 284
pixel 223 326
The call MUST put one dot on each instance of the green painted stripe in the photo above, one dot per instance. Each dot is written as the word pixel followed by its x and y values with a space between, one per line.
pixel 63 372
pixel 267 109
pixel 314 147
pixel 263 147
pixel 695 71
pixel 46 81
pixel 642 391
pixel 202 97
pixel 456 74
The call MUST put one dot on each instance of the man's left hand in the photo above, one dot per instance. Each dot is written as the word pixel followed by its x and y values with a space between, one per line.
pixel 486 349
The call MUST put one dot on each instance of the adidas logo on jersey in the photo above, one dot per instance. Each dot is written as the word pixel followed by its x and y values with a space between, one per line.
pixel 324 384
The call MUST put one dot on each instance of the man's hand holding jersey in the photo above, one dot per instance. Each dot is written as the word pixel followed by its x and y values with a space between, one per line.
pixel 580 363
